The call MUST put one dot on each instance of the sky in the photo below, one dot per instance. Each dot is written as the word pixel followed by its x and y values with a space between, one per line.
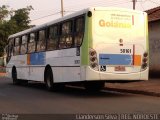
pixel 47 10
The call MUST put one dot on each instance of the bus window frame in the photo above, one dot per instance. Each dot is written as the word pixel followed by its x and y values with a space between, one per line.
pixel 66 35
pixel 29 39
pixel 15 53
pixel 10 47
pixel 57 36
pixel 37 40
pixel 70 33
pixel 24 43
pixel 82 31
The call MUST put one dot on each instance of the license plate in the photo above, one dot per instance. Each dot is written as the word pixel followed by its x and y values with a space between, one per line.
pixel 120 68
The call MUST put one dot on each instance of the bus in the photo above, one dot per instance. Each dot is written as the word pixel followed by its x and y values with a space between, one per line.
pixel 92 46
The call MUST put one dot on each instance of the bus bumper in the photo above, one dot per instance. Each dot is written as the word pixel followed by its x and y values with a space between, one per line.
pixel 92 75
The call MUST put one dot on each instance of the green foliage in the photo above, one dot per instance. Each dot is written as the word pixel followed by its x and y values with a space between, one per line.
pixel 3 12
pixel 19 20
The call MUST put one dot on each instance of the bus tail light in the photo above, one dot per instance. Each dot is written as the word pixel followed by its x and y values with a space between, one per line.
pixel 93 59
pixel 145 54
pixel 145 61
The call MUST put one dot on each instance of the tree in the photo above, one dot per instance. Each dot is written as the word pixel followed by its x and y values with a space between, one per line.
pixel 19 20
pixel 3 12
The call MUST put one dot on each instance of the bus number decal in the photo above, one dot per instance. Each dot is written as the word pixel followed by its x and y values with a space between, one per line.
pixel 125 51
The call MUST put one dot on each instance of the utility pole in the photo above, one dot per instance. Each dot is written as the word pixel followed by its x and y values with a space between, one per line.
pixel 62 10
pixel 134 4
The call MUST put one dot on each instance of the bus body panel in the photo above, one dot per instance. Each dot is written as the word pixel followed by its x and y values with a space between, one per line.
pixel 92 75
pixel 65 65
pixel 20 63
pixel 36 73
pixel 120 39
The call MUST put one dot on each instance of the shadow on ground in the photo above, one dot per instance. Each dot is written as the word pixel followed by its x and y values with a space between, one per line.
pixel 76 91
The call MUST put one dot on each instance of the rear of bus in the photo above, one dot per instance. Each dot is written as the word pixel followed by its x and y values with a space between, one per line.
pixel 118 45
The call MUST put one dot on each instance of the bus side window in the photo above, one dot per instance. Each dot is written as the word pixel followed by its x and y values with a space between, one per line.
pixel 17 46
pixel 11 47
pixel 41 43
pixel 31 43
pixel 53 38
pixel 24 44
pixel 6 52
pixel 66 38
pixel 79 31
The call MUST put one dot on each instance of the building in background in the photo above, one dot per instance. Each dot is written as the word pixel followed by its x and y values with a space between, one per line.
pixel 154 39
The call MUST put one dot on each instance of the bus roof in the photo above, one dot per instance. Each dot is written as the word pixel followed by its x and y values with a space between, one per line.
pixel 49 23
pixel 70 16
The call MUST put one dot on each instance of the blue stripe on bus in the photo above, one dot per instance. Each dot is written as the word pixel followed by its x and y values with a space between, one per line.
pixel 115 59
pixel 38 58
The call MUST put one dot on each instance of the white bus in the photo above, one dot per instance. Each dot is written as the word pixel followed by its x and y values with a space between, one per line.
pixel 92 46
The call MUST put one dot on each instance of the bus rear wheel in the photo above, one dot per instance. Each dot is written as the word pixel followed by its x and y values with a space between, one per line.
pixel 49 80
pixel 14 76
pixel 93 86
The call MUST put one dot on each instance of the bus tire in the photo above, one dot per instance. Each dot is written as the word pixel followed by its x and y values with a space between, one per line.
pixel 14 76
pixel 49 80
pixel 93 86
